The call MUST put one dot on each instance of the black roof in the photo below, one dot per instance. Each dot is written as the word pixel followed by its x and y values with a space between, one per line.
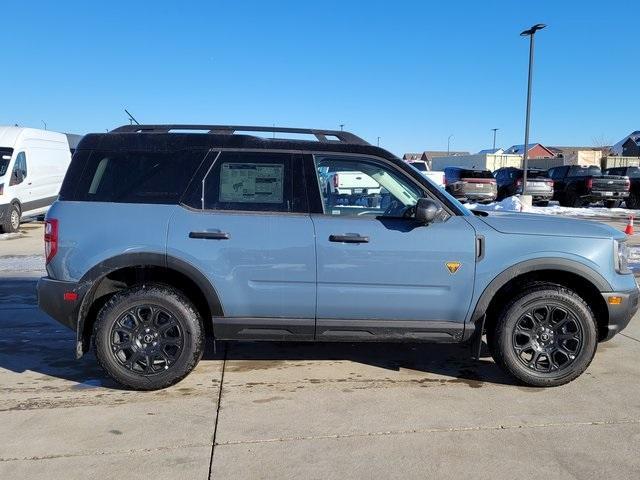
pixel 176 137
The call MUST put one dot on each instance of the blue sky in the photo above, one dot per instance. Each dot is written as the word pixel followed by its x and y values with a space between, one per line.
pixel 412 73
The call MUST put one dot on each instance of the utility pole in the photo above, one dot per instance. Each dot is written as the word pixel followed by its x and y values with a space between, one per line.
pixel 531 33
pixel 44 123
pixel 494 137
pixel 378 141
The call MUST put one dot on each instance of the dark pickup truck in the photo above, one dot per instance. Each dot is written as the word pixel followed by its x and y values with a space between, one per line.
pixel 575 186
pixel 633 200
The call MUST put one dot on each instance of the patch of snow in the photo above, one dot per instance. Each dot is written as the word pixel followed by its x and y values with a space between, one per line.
pixel 515 205
pixel 10 236
pixel 22 264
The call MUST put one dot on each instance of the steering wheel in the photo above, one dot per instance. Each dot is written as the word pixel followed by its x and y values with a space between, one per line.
pixel 397 209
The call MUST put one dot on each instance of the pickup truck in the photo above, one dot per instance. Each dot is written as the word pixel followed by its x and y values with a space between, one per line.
pixel 350 186
pixel 576 186
pixel 633 200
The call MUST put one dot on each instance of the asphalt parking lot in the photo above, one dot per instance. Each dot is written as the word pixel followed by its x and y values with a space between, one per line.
pixel 272 410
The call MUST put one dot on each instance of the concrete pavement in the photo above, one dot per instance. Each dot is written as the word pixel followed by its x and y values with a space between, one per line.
pixel 312 411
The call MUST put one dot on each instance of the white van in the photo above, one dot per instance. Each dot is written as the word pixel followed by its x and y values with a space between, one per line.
pixel 33 163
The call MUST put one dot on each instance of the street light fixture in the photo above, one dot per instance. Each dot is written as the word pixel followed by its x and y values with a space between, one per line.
pixel 449 144
pixel 494 137
pixel 531 33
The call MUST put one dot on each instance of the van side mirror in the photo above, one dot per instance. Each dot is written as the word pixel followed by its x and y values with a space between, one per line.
pixel 426 210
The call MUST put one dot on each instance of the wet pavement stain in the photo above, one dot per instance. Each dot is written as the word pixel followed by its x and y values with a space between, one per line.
pixel 269 399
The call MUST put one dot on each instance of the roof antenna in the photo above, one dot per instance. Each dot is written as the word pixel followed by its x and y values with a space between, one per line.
pixel 131 118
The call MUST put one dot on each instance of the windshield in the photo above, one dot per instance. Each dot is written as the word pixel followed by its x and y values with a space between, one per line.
pixel 5 158
pixel 536 173
pixel 475 174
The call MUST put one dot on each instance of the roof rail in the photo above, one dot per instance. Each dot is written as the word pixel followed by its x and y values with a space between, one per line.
pixel 321 135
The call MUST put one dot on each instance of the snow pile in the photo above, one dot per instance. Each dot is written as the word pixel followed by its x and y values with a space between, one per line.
pixel 22 264
pixel 10 236
pixel 514 204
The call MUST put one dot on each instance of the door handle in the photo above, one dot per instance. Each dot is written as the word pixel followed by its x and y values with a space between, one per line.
pixel 351 238
pixel 210 235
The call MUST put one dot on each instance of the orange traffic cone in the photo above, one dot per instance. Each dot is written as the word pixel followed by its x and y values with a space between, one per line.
pixel 629 229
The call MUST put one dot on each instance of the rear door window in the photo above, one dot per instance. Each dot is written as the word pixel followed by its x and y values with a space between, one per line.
pixel 136 176
pixel 5 158
pixel 475 174
pixel 253 181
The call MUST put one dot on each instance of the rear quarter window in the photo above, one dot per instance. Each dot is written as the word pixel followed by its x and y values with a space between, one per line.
pixel 131 176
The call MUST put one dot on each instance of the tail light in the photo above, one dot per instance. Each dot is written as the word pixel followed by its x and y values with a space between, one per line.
pixel 627 185
pixel 444 181
pixel 549 183
pixel 50 239
pixel 519 182
pixel 590 183
pixel 335 180
pixel 1 188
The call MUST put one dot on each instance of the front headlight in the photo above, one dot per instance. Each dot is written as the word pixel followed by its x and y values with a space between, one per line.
pixel 622 256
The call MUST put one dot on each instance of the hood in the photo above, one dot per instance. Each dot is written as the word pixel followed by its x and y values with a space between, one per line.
pixel 537 224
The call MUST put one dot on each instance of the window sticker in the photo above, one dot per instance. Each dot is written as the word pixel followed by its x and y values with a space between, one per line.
pixel 251 182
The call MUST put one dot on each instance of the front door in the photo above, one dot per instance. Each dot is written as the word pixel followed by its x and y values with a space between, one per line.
pixel 381 275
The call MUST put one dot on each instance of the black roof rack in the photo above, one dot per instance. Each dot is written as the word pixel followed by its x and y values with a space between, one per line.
pixel 321 135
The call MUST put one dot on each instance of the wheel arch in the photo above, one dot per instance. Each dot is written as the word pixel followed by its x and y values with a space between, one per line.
pixel 574 275
pixel 122 271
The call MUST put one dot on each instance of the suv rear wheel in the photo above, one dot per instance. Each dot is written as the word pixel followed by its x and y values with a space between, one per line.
pixel 545 337
pixel 148 337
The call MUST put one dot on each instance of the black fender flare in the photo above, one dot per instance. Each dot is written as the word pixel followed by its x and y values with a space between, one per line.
pixel 88 284
pixel 537 264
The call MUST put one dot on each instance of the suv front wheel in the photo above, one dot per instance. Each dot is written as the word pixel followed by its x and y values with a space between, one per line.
pixel 148 337
pixel 545 337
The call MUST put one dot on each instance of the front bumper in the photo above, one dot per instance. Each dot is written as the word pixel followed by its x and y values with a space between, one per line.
pixel 620 314
pixel 51 300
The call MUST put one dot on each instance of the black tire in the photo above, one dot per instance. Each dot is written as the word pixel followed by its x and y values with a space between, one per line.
pixel 573 200
pixel 633 201
pixel 132 320
pixel 558 360
pixel 611 203
pixel 11 222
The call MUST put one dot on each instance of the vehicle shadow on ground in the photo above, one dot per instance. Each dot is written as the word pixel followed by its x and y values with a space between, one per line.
pixel 48 349
pixel 31 341
pixel 453 361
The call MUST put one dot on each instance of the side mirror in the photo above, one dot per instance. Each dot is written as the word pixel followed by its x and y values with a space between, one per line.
pixel 426 210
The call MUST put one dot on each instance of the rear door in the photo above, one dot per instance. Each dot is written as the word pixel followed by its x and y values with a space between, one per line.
pixel 20 181
pixel 380 274
pixel 246 227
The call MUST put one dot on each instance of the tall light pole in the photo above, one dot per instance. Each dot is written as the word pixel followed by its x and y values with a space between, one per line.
pixel 378 141
pixel 341 126
pixel 494 137
pixel 531 33
pixel 449 144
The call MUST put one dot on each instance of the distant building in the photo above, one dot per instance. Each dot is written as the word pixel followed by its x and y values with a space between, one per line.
pixel 492 151
pixel 580 155
pixel 618 148
pixel 535 150
pixel 429 155
pixel 631 148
